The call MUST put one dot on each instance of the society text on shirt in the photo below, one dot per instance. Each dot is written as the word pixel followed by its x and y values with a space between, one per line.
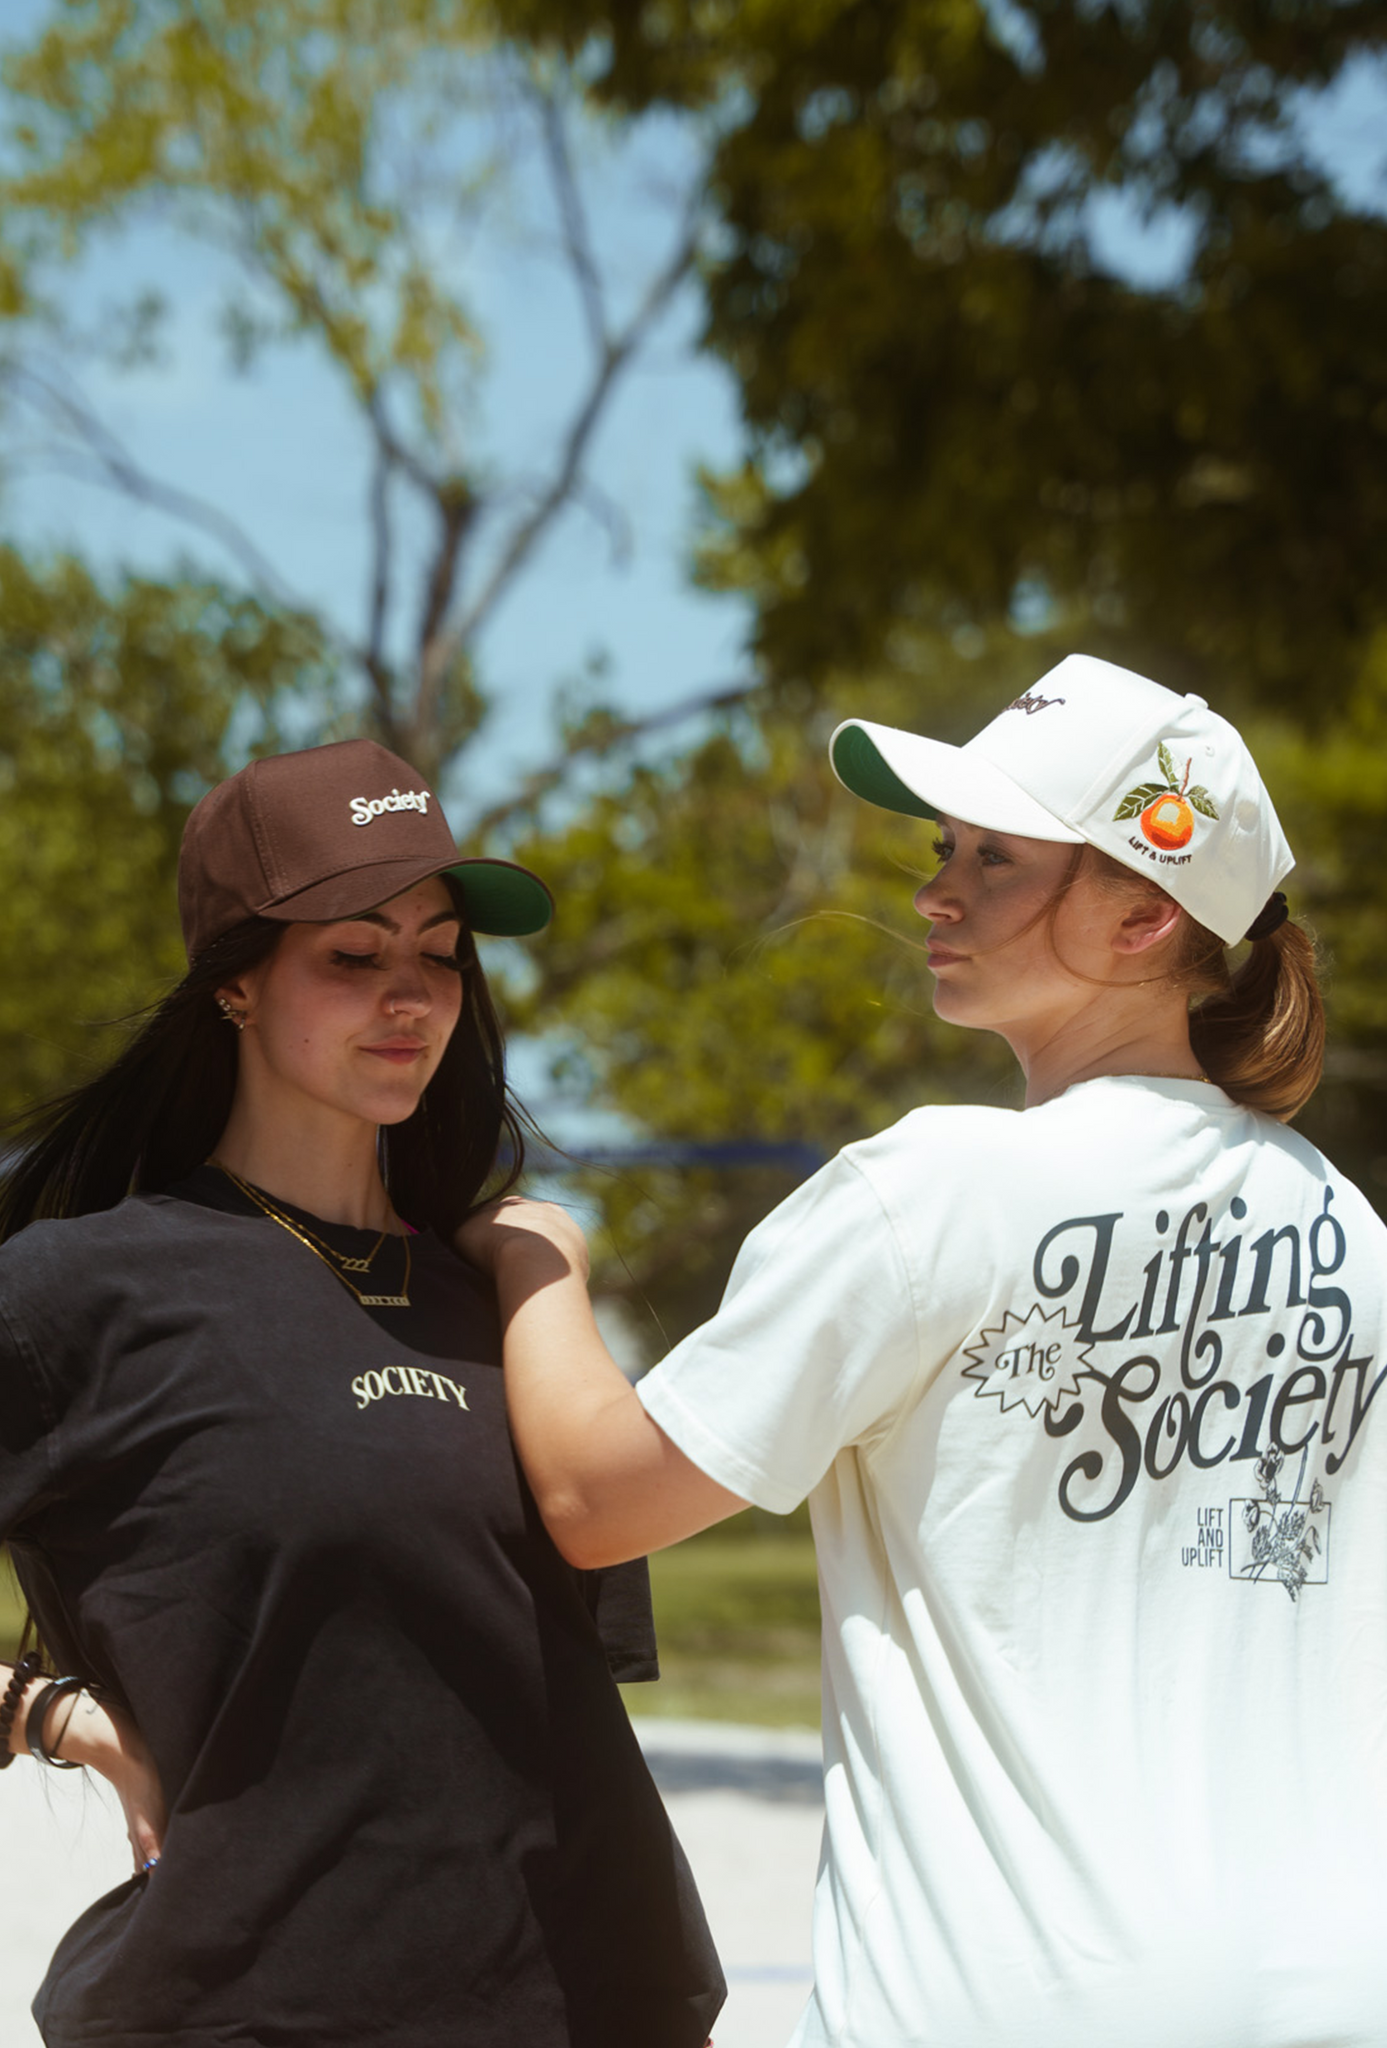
pixel 406 1379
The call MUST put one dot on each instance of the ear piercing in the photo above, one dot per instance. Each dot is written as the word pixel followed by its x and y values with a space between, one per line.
pixel 236 1017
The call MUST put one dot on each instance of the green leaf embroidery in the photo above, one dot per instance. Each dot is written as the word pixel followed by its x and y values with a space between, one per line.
pixel 1200 798
pixel 1136 800
pixel 1167 765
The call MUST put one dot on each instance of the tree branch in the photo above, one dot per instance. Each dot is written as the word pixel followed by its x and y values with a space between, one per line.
pixel 573 221
pixel 101 458
pixel 457 508
pixel 373 658
pixel 615 356
pixel 619 733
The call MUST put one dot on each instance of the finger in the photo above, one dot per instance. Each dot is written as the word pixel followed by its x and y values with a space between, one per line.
pixel 146 1840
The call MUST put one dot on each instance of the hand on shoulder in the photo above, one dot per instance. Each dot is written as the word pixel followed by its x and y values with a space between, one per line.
pixel 515 1232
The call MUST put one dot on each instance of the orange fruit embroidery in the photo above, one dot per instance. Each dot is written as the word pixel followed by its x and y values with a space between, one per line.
pixel 1168 823
pixel 1165 810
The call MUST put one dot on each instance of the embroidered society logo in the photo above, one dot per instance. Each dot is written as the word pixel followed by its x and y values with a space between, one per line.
pixel 1166 809
pixel 1033 702
pixel 1032 1361
pixel 365 808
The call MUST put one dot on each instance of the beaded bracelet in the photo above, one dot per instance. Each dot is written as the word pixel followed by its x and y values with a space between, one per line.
pixel 29 1667
pixel 33 1726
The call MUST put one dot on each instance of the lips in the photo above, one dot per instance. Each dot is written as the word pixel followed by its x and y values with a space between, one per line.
pixel 940 956
pixel 400 1052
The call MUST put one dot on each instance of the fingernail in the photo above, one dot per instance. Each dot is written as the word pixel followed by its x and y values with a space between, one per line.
pixel 149 1863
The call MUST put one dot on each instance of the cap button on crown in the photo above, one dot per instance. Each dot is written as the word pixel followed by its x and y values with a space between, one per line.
pixel 1199 703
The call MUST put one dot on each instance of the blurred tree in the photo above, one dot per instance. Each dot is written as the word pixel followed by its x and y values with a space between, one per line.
pixel 965 406
pixel 118 708
pixel 338 153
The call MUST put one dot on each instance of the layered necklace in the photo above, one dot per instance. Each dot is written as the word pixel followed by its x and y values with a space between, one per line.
pixel 336 1262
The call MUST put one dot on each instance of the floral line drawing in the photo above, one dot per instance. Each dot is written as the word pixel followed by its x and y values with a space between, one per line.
pixel 1285 1538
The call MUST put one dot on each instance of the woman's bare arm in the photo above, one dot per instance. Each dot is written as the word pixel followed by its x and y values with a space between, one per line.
pixel 609 1482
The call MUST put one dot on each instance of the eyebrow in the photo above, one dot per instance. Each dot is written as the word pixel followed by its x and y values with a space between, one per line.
pixel 388 924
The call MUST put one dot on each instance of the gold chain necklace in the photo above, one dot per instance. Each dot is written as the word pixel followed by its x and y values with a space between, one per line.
pixel 336 1264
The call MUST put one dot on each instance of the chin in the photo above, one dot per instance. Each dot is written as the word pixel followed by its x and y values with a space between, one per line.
pixel 395 1110
pixel 952 1008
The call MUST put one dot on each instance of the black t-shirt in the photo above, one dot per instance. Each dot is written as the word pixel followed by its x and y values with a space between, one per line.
pixel 406 1808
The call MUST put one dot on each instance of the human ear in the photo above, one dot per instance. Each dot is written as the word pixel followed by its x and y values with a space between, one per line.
pixel 235 998
pixel 1146 923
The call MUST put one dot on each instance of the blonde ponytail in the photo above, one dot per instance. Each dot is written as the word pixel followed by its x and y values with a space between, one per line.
pixel 1258 1032
pixel 1261 1036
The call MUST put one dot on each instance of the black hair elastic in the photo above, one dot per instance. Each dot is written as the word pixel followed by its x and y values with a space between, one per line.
pixel 29 1667
pixel 33 1726
pixel 1266 921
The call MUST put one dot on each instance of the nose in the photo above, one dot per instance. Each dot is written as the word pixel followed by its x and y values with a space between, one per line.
pixel 408 994
pixel 932 899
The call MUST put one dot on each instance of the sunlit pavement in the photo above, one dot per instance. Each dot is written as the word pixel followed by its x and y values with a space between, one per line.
pixel 748 1806
pixel 746 1802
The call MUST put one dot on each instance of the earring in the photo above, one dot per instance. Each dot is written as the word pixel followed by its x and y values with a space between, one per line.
pixel 236 1017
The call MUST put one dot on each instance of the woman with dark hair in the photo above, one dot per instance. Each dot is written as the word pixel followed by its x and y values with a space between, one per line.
pixel 1083 1400
pixel 296 1601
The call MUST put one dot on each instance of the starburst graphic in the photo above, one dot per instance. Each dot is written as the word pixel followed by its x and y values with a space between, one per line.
pixel 1031 1361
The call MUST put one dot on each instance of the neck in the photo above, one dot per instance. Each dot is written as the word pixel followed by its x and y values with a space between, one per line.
pixel 1109 1039
pixel 325 1164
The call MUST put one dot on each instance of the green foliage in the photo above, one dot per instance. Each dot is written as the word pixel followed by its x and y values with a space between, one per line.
pixel 118 708
pixel 12 1611
pixel 263 124
pixel 1331 792
pixel 952 401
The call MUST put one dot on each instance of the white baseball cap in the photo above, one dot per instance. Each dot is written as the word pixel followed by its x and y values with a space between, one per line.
pixel 1095 753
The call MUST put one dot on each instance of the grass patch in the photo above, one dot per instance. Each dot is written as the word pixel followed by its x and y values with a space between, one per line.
pixel 737 1610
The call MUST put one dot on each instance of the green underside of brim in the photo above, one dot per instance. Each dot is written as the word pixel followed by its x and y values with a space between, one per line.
pixel 503 903
pixel 860 766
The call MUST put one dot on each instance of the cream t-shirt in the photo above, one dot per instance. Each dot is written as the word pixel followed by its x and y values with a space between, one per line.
pixel 1085 1403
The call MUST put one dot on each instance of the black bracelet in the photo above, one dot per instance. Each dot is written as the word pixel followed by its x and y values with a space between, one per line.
pixel 33 1727
pixel 29 1667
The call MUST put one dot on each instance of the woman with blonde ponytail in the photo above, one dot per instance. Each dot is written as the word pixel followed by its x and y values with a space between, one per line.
pixel 1084 1400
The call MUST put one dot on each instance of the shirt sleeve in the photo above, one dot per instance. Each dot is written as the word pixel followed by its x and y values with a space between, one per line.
pixel 618 1599
pixel 815 1347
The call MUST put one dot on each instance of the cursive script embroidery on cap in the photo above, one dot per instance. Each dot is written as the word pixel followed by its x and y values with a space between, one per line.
pixel 1030 703
pixel 365 808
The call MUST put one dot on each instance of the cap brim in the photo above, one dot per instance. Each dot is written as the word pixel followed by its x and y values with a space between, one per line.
pixel 502 900
pixel 923 778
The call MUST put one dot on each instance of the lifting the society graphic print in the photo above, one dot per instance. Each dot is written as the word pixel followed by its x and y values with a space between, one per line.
pixel 1140 1386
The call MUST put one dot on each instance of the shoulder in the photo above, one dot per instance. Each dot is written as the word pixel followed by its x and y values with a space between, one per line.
pixel 66 1261
pixel 940 1130
pixel 946 1152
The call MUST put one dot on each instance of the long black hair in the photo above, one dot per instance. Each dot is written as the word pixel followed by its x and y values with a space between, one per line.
pixel 159 1108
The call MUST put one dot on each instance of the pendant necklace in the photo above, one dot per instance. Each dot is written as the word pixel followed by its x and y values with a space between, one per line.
pixel 336 1262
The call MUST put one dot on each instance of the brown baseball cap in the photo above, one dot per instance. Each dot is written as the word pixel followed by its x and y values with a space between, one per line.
pixel 326 833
